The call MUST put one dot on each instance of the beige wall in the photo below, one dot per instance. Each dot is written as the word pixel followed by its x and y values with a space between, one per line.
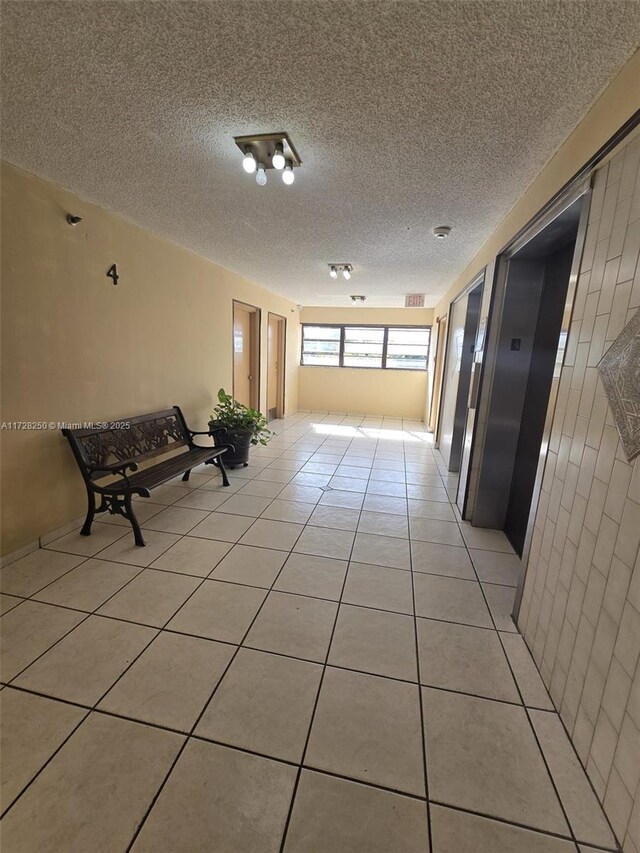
pixel 75 347
pixel 395 393
pixel 580 610
pixel 616 105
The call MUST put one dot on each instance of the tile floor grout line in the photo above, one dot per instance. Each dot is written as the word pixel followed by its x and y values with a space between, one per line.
pixel 317 698
pixel 295 658
pixel 498 819
pixel 423 728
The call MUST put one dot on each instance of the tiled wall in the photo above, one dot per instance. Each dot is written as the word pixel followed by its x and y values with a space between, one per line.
pixel 580 611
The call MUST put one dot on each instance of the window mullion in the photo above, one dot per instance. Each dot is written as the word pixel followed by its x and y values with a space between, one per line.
pixel 342 337
pixel 385 341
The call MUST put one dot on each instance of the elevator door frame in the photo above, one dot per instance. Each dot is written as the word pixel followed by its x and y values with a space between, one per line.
pixel 476 284
pixel 582 191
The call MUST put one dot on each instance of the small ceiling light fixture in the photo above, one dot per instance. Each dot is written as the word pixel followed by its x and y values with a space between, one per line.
pixel 278 160
pixel 73 220
pixel 345 269
pixel 441 232
pixel 264 151
pixel 357 299
pixel 261 176
pixel 249 162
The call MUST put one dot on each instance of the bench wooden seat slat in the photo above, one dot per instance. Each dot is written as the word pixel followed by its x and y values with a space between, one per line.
pixel 116 449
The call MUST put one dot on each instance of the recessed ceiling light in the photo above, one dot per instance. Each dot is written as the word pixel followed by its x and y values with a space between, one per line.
pixel 442 232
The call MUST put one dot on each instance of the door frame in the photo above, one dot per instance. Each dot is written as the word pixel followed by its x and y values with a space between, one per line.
pixel 442 326
pixel 584 191
pixel 256 353
pixel 282 359
pixel 477 281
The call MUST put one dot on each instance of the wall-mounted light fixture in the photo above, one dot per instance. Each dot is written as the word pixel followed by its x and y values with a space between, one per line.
pixel 345 269
pixel 264 151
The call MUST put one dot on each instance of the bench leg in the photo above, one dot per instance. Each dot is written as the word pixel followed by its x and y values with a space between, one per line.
pixel 91 511
pixel 137 533
pixel 185 476
pixel 220 464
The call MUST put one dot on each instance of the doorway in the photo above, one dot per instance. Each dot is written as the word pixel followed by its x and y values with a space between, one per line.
pixel 531 306
pixel 436 385
pixel 463 327
pixel 276 355
pixel 246 354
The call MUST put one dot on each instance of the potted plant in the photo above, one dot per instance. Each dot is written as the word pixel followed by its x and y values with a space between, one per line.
pixel 244 427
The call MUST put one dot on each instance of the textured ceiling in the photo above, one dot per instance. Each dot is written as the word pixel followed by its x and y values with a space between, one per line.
pixel 406 115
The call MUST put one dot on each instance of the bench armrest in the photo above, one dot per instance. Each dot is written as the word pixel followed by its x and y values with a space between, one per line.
pixel 116 468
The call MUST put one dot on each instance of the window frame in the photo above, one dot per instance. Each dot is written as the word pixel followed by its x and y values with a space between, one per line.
pixel 383 366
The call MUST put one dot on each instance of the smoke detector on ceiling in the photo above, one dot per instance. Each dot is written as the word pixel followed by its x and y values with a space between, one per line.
pixel 357 299
pixel 441 232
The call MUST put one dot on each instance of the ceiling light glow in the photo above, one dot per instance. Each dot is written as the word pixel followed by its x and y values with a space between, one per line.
pixel 278 161
pixel 249 162
pixel 345 269
pixel 264 151
pixel 287 176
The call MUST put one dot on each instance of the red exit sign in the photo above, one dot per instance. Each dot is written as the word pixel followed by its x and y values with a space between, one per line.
pixel 414 300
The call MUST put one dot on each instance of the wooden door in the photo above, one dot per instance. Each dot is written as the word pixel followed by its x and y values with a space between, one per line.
pixel 245 349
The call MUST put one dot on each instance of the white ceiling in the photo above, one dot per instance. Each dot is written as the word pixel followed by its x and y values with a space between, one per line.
pixel 407 114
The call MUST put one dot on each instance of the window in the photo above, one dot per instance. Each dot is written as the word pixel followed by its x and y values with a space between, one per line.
pixel 389 347
pixel 321 345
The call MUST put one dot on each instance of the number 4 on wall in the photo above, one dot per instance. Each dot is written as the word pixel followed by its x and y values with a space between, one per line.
pixel 112 273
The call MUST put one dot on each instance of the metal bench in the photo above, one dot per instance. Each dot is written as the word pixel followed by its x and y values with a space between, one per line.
pixel 121 446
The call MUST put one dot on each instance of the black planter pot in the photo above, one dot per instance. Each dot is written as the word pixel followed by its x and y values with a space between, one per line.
pixel 241 440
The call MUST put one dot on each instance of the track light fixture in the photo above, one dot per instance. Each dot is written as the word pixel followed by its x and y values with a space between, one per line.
pixel 265 151
pixel 345 269
pixel 356 299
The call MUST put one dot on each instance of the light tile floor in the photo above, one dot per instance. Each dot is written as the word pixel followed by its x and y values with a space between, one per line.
pixel 318 659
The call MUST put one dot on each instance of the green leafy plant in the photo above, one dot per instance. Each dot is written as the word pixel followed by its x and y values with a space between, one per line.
pixel 235 416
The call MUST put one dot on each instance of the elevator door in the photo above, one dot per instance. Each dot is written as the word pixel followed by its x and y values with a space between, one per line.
pixel 555 275
pixel 530 301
